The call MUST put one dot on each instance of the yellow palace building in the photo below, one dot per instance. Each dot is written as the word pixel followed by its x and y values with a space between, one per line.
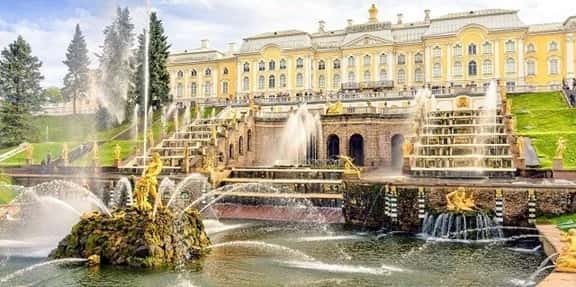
pixel 455 50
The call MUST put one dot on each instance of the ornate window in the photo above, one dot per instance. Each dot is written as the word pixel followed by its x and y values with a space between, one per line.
pixel 245 84
pixel 271 65
pixel 321 65
pixel 299 80
pixel 193 90
pixel 207 89
pixel 366 76
pixel 180 74
pixel 193 73
pixel 419 75
pixel 510 66
pixel 282 81
pixel 367 60
pixel 401 76
pixel 224 87
pixel 530 48
pixel 321 82
pixel 246 67
pixel 437 52
pixel 383 75
pixel 383 59
pixel 418 59
pixel 487 48
pixel 261 82
pixel 457 50
pixel 553 46
pixel 336 64
pixel 472 49
pixel 208 72
pixel 351 77
pixel 510 46
pixel 457 69
pixel 472 68
pixel 351 61
pixel 487 67
pixel 401 59
pixel 437 70
pixel 261 66
pixel 225 71
pixel 282 64
pixel 553 66
pixel 336 82
pixel 271 82
pixel 299 63
pixel 530 68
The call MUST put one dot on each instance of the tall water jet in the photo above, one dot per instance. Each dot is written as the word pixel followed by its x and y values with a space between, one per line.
pixel 488 124
pixel 299 138
pixel 135 122
pixel 146 77
pixel 122 195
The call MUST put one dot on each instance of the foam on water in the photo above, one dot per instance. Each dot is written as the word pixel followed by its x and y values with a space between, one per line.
pixel 342 268
pixel 329 238
pixel 266 246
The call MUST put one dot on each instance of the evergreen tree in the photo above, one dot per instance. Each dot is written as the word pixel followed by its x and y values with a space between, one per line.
pixel 137 87
pixel 159 88
pixel 20 91
pixel 76 82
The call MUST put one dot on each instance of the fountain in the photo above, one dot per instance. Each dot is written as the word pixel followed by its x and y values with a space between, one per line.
pixel 299 138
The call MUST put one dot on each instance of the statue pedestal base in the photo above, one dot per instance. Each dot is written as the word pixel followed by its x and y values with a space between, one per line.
pixel 558 164
pixel 521 163
pixel 28 161
pixel 117 163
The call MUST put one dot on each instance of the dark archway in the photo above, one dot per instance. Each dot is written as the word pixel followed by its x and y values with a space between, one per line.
pixel 333 147
pixel 356 149
pixel 240 145
pixel 396 151
pixel 231 152
pixel 249 141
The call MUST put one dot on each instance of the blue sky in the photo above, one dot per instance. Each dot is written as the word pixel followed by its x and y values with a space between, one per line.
pixel 48 24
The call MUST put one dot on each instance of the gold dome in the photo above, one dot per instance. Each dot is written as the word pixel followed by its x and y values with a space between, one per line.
pixel 373 13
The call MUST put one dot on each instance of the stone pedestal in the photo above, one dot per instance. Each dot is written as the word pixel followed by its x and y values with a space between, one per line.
pixel 521 163
pixel 28 161
pixel 558 164
pixel 117 163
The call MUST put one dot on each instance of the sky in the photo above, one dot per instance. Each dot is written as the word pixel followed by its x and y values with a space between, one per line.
pixel 48 25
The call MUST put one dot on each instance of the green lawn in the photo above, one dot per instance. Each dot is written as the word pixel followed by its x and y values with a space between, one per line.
pixel 39 152
pixel 106 153
pixel 545 117
pixel 557 219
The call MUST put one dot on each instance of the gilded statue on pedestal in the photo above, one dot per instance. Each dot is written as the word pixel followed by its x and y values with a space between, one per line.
pixel 65 154
pixel 335 108
pixel 458 201
pixel 150 138
pixel 29 153
pixel 349 167
pixel 117 153
pixel 560 148
pixel 407 149
pixel 520 146
pixel 147 185
pixel 567 260
pixel 95 154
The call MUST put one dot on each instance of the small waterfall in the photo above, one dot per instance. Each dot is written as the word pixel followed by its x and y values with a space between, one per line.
pixel 450 225
pixel 299 139
pixel 122 195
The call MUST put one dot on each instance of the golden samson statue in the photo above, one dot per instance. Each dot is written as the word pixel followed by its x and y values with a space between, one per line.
pixel 147 185
pixel 458 201
pixel 567 260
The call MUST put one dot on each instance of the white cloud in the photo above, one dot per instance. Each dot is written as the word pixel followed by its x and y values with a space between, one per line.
pixel 223 21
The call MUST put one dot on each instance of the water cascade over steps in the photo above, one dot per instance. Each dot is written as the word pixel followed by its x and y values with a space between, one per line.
pixel 465 226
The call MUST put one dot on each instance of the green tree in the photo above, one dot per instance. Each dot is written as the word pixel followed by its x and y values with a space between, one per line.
pixel 135 96
pixel 53 95
pixel 159 88
pixel 76 81
pixel 20 91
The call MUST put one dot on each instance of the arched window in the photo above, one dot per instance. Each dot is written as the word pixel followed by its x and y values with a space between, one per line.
pixel 249 140
pixel 271 82
pixel 336 82
pixel 261 82
pixel 225 71
pixel 299 80
pixel 245 84
pixel 179 90
pixel 261 66
pixel 418 75
pixel 437 52
pixel 530 48
pixel 401 59
pixel 401 76
pixel 321 65
pixel 553 46
pixel 333 147
pixel 510 46
pixel 356 149
pixel 180 75
pixel 224 87
pixel 487 67
pixel 282 81
pixel 510 66
pixel 336 64
pixel 193 89
pixel 472 69
pixel 207 89
pixel 193 73
pixel 299 63
pixel 271 65
pixel 351 77
pixel 383 59
pixel 530 68
pixel 383 75
pixel 240 145
pixel 553 66
pixel 321 82
pixel 472 49
pixel 437 70
pixel 457 69
pixel 351 61
pixel 487 48
pixel 282 64
pixel 231 151
pixel 457 50
pixel 208 72
pixel 366 76
pixel 246 67
pixel 418 58
pixel 367 60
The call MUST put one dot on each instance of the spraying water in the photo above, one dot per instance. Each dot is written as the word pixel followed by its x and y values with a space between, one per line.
pixel 299 139
pixel 146 77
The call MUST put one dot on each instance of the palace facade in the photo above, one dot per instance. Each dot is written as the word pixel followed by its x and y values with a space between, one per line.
pixel 455 50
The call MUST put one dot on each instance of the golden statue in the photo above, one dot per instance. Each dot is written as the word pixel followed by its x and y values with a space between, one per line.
pixel 458 201
pixel 520 146
pixel 462 102
pixel 567 260
pixel 335 108
pixel 176 122
pixel 65 154
pixel 560 148
pixel 215 135
pixel 150 138
pixel 147 185
pixel 407 149
pixel 349 167
pixel 117 153
pixel 95 153
pixel 508 107
pixel 29 153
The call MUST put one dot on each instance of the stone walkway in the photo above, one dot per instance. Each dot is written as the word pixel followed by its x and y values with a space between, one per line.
pixel 551 245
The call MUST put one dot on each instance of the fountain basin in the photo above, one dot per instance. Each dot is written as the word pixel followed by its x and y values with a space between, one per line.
pixel 131 237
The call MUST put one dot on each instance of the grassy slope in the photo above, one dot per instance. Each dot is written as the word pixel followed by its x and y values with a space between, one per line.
pixel 545 117
pixel 6 196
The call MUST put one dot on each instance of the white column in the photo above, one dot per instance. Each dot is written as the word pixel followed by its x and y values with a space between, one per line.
pixel 520 62
pixel 427 65
pixel 307 73
pixel 448 63
pixel 343 70
pixel 359 63
pixel 375 65
pixel 215 84
pixel 254 73
pixel 239 78
pixel 391 58
pixel 408 69
pixel 288 74
pixel 497 59
pixel 570 55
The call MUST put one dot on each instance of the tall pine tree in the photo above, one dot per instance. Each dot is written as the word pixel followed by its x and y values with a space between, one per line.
pixel 76 80
pixel 137 89
pixel 20 92
pixel 159 92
